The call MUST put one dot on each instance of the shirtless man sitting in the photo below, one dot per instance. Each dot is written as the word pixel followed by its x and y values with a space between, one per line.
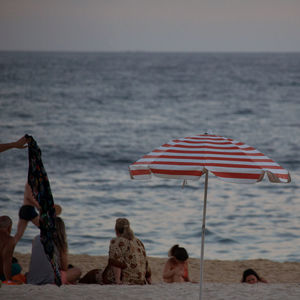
pixel 7 245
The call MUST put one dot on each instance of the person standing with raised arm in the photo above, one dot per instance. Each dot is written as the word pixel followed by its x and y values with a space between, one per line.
pixel 27 212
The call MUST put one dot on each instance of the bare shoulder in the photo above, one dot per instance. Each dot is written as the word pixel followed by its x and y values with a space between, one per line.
pixel 171 261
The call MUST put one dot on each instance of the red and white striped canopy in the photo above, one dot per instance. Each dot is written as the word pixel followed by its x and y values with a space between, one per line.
pixel 189 157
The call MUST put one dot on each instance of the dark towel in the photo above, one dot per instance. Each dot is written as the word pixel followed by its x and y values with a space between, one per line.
pixel 38 180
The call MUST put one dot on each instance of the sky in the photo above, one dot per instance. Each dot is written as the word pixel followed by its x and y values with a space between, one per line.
pixel 150 25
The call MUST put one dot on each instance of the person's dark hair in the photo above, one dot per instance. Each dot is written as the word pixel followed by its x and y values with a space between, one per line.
pixel 5 222
pixel 250 272
pixel 179 253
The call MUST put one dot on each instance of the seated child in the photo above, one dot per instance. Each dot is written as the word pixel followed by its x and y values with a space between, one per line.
pixel 176 268
pixel 27 212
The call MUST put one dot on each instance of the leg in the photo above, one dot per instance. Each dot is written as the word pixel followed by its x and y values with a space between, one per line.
pixel 36 221
pixel 73 274
pixel 92 276
pixel 22 224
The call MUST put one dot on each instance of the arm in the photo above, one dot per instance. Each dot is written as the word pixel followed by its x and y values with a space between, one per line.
pixel 148 273
pixel 186 272
pixel 115 260
pixel 149 280
pixel 7 258
pixel 168 271
pixel 117 273
pixel 20 144
pixel 148 269
pixel 64 261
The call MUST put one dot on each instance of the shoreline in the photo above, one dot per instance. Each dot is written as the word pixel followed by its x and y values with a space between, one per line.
pixel 221 282
pixel 215 271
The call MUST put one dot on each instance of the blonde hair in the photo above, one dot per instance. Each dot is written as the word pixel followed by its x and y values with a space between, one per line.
pixel 123 228
pixel 60 238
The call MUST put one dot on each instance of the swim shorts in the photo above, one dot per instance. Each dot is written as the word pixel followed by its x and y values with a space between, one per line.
pixel 27 212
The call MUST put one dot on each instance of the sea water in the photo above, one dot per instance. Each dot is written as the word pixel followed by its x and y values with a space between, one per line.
pixel 93 114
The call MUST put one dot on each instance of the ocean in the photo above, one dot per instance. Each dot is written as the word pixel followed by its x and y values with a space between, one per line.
pixel 93 114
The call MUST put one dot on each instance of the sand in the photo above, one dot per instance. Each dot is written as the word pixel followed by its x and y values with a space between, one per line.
pixel 221 281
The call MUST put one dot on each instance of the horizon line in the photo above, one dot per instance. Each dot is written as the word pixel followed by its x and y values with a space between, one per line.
pixel 159 51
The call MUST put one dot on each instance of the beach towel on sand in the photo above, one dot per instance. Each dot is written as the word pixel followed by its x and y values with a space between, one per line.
pixel 38 180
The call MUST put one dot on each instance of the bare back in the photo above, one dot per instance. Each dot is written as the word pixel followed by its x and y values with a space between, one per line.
pixel 29 198
pixel 173 271
pixel 7 245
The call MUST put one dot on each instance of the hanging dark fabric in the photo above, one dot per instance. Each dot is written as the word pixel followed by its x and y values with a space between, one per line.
pixel 38 180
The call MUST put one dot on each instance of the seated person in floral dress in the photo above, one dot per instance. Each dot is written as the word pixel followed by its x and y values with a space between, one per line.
pixel 127 262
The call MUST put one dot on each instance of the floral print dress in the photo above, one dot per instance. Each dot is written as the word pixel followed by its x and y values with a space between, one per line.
pixel 130 257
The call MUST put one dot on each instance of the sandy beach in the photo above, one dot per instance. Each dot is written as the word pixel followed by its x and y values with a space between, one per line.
pixel 221 281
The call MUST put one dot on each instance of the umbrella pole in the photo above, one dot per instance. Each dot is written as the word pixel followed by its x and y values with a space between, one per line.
pixel 203 234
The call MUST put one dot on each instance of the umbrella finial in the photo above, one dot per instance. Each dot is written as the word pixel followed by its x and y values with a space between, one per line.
pixel 208 131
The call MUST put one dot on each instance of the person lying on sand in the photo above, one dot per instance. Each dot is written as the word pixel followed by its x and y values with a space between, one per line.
pixel 251 277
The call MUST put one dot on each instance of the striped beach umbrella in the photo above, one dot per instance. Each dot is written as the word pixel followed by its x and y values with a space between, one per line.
pixel 190 157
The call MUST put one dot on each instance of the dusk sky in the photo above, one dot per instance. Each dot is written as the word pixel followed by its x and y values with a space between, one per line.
pixel 150 25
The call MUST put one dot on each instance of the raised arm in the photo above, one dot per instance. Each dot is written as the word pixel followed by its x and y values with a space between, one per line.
pixel 64 261
pixel 20 144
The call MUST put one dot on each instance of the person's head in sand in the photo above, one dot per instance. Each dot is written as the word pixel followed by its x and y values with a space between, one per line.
pixel 251 277
pixel 123 229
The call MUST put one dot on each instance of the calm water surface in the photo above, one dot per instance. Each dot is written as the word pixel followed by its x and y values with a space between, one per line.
pixel 93 114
